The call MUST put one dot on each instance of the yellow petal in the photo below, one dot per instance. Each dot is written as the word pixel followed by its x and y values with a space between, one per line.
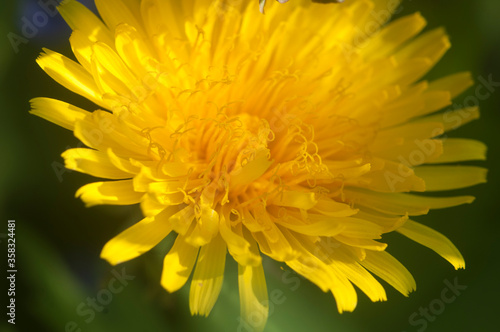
pixel 82 48
pixel 452 119
pixel 361 243
pixel 342 263
pixel 343 291
pixel 434 101
pixel 327 279
pixel 252 170
pixel 238 244
pixel 455 84
pixel 434 240
pixel 391 270
pixel 297 199
pixel 121 163
pixel 151 204
pixel 313 265
pixel 332 208
pixel 58 112
pixel 111 74
pixel 181 221
pixel 178 264
pixel 159 16
pixel 110 192
pixel 93 162
pixel 348 172
pixel 207 226
pixel 460 149
pixel 401 204
pixel 411 131
pixel 410 153
pixel 409 71
pixel 70 74
pixel 325 226
pixel 280 250
pixel 349 226
pixel 101 130
pixel 115 12
pixel 394 34
pixel 133 50
pixel 387 222
pixel 254 302
pixel 394 177
pixel 431 45
pixel 439 178
pixel 136 240
pixel 208 277
pixel 81 18
pixel 411 101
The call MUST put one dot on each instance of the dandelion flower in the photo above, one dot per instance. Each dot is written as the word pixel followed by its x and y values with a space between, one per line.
pixel 304 134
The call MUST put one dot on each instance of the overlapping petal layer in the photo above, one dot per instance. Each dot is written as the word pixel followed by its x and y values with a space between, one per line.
pixel 299 134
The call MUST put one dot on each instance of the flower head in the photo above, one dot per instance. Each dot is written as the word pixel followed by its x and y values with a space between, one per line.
pixel 299 134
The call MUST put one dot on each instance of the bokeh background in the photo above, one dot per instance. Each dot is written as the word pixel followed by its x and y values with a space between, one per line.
pixel 59 240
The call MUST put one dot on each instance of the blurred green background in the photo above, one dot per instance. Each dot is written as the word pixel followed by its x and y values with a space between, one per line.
pixel 59 241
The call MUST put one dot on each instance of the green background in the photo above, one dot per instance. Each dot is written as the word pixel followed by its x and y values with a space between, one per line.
pixel 59 241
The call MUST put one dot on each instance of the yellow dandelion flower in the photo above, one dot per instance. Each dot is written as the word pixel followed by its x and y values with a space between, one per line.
pixel 299 134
